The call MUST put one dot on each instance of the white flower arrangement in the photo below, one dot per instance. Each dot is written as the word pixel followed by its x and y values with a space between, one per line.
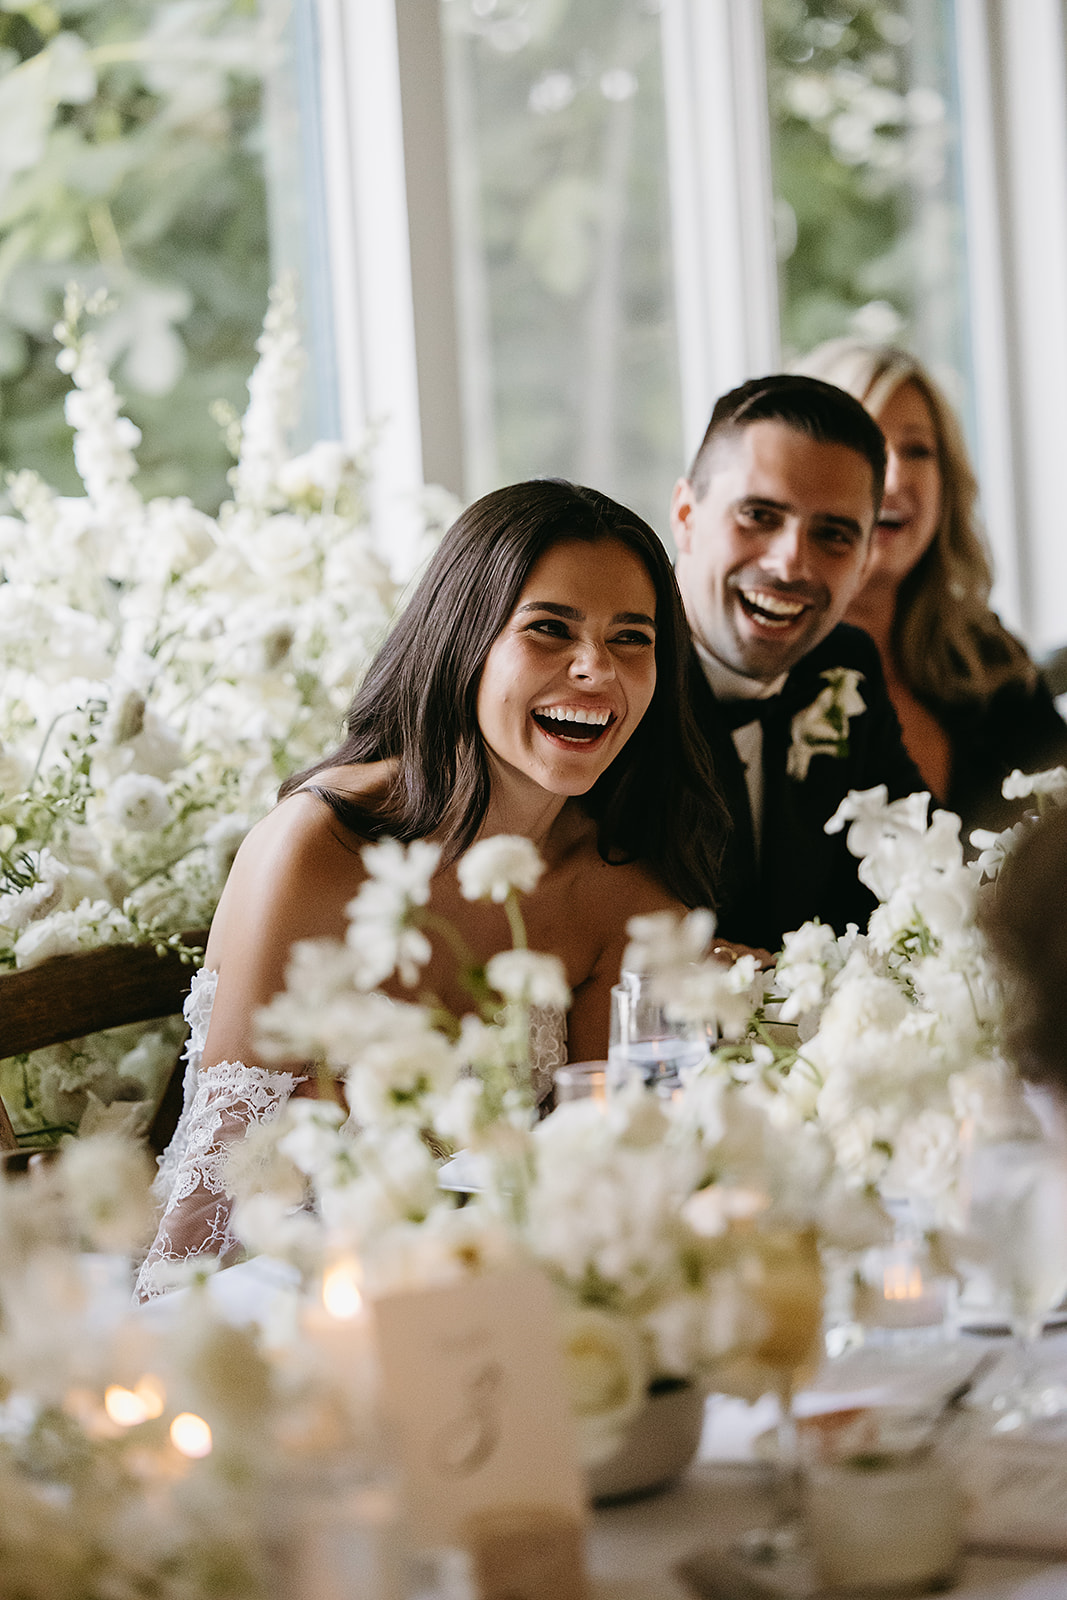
pixel 162 672
pixel 892 1036
pixel 821 729
pixel 651 1295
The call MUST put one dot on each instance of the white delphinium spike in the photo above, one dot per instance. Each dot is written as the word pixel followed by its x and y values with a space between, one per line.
pixel 104 440
pixel 273 403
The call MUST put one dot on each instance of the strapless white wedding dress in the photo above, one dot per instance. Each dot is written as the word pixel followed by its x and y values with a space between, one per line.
pixel 219 1104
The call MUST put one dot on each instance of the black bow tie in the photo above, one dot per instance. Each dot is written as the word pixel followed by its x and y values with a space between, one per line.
pixel 740 713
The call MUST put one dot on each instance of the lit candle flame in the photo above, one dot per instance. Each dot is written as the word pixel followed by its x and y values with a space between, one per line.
pixel 152 1396
pixel 341 1294
pixel 902 1280
pixel 124 1407
pixel 191 1435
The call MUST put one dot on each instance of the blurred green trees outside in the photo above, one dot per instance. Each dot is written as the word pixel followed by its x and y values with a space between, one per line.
pixel 868 214
pixel 131 160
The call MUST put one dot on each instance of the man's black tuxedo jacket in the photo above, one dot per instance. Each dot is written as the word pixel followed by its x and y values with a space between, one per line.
pixel 802 871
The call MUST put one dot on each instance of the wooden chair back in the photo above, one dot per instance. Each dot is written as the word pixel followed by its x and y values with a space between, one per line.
pixel 70 996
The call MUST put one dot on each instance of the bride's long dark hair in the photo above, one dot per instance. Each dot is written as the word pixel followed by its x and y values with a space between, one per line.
pixel 657 802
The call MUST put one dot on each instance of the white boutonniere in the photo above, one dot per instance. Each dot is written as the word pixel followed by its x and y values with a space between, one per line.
pixel 821 729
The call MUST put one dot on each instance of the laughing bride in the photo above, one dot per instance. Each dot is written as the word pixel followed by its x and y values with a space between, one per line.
pixel 534 685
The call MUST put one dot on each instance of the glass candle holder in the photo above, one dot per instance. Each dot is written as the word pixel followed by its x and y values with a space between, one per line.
pixel 885 1524
pixel 582 1080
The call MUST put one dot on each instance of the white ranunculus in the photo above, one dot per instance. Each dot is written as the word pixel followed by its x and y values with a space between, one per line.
pixel 139 803
pixel 529 978
pixel 494 867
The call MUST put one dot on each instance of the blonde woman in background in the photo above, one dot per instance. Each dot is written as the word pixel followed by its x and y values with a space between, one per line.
pixel 971 704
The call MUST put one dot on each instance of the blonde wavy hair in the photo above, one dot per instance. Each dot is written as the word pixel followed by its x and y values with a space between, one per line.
pixel 949 645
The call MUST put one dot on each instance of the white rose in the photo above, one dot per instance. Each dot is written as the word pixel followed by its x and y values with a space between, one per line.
pixel 492 868
pixel 606 1374
pixel 139 802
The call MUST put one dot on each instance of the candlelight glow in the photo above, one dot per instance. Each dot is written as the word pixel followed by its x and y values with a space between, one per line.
pixel 152 1396
pixel 191 1435
pixel 902 1280
pixel 341 1294
pixel 124 1406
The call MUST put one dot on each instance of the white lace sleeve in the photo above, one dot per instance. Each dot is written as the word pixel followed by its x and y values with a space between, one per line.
pixel 191 1182
pixel 548 1048
pixel 197 1011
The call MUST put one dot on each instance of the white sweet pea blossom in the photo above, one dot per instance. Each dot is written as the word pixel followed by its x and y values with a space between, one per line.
pixel 711 994
pixel 995 848
pixel 822 728
pixel 1051 783
pixel 529 978
pixel 381 936
pixel 810 957
pixel 493 867
pixel 664 940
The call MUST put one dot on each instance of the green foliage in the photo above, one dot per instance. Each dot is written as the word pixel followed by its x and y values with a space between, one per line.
pixel 868 215
pixel 131 162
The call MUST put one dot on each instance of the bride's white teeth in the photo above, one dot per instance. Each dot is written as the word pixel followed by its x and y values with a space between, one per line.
pixel 773 603
pixel 599 719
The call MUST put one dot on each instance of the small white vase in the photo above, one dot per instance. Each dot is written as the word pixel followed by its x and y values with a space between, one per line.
pixel 659 1443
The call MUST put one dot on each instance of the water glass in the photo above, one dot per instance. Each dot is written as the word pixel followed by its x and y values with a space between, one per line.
pixel 644 1042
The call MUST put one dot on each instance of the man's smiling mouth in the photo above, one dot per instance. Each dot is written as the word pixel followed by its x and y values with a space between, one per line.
pixel 573 724
pixel 773 610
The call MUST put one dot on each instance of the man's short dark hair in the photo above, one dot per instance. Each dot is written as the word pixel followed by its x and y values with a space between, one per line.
pixel 821 410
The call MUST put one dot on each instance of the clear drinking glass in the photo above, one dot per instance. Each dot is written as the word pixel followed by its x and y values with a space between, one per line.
pixel 582 1080
pixel 1016 1189
pixel 644 1042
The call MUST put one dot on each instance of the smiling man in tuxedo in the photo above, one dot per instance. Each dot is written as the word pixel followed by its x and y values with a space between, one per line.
pixel 773 527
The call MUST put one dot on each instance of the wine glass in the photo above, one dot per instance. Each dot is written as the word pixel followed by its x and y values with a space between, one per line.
pixel 646 1044
pixel 784 1276
pixel 1016 1190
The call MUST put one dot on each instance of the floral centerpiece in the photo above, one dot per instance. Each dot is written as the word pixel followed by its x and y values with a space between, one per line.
pixel 142 1454
pixel 656 1220
pixel 162 671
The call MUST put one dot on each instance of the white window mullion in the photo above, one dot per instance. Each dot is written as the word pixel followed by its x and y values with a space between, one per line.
pixel 722 205
pixel 370 255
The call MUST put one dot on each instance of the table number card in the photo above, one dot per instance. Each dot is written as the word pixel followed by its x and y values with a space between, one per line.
pixel 474 1393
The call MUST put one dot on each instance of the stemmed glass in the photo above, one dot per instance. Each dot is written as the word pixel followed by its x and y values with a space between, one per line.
pixel 1016 1200
pixel 786 1281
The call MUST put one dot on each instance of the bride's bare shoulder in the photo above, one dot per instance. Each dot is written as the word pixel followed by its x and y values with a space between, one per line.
pixel 304 831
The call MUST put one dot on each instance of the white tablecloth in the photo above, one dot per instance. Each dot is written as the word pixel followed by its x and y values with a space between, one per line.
pixel 635 1547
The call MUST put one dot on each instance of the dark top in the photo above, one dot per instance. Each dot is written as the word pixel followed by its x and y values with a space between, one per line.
pixel 1017 727
pixel 803 872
